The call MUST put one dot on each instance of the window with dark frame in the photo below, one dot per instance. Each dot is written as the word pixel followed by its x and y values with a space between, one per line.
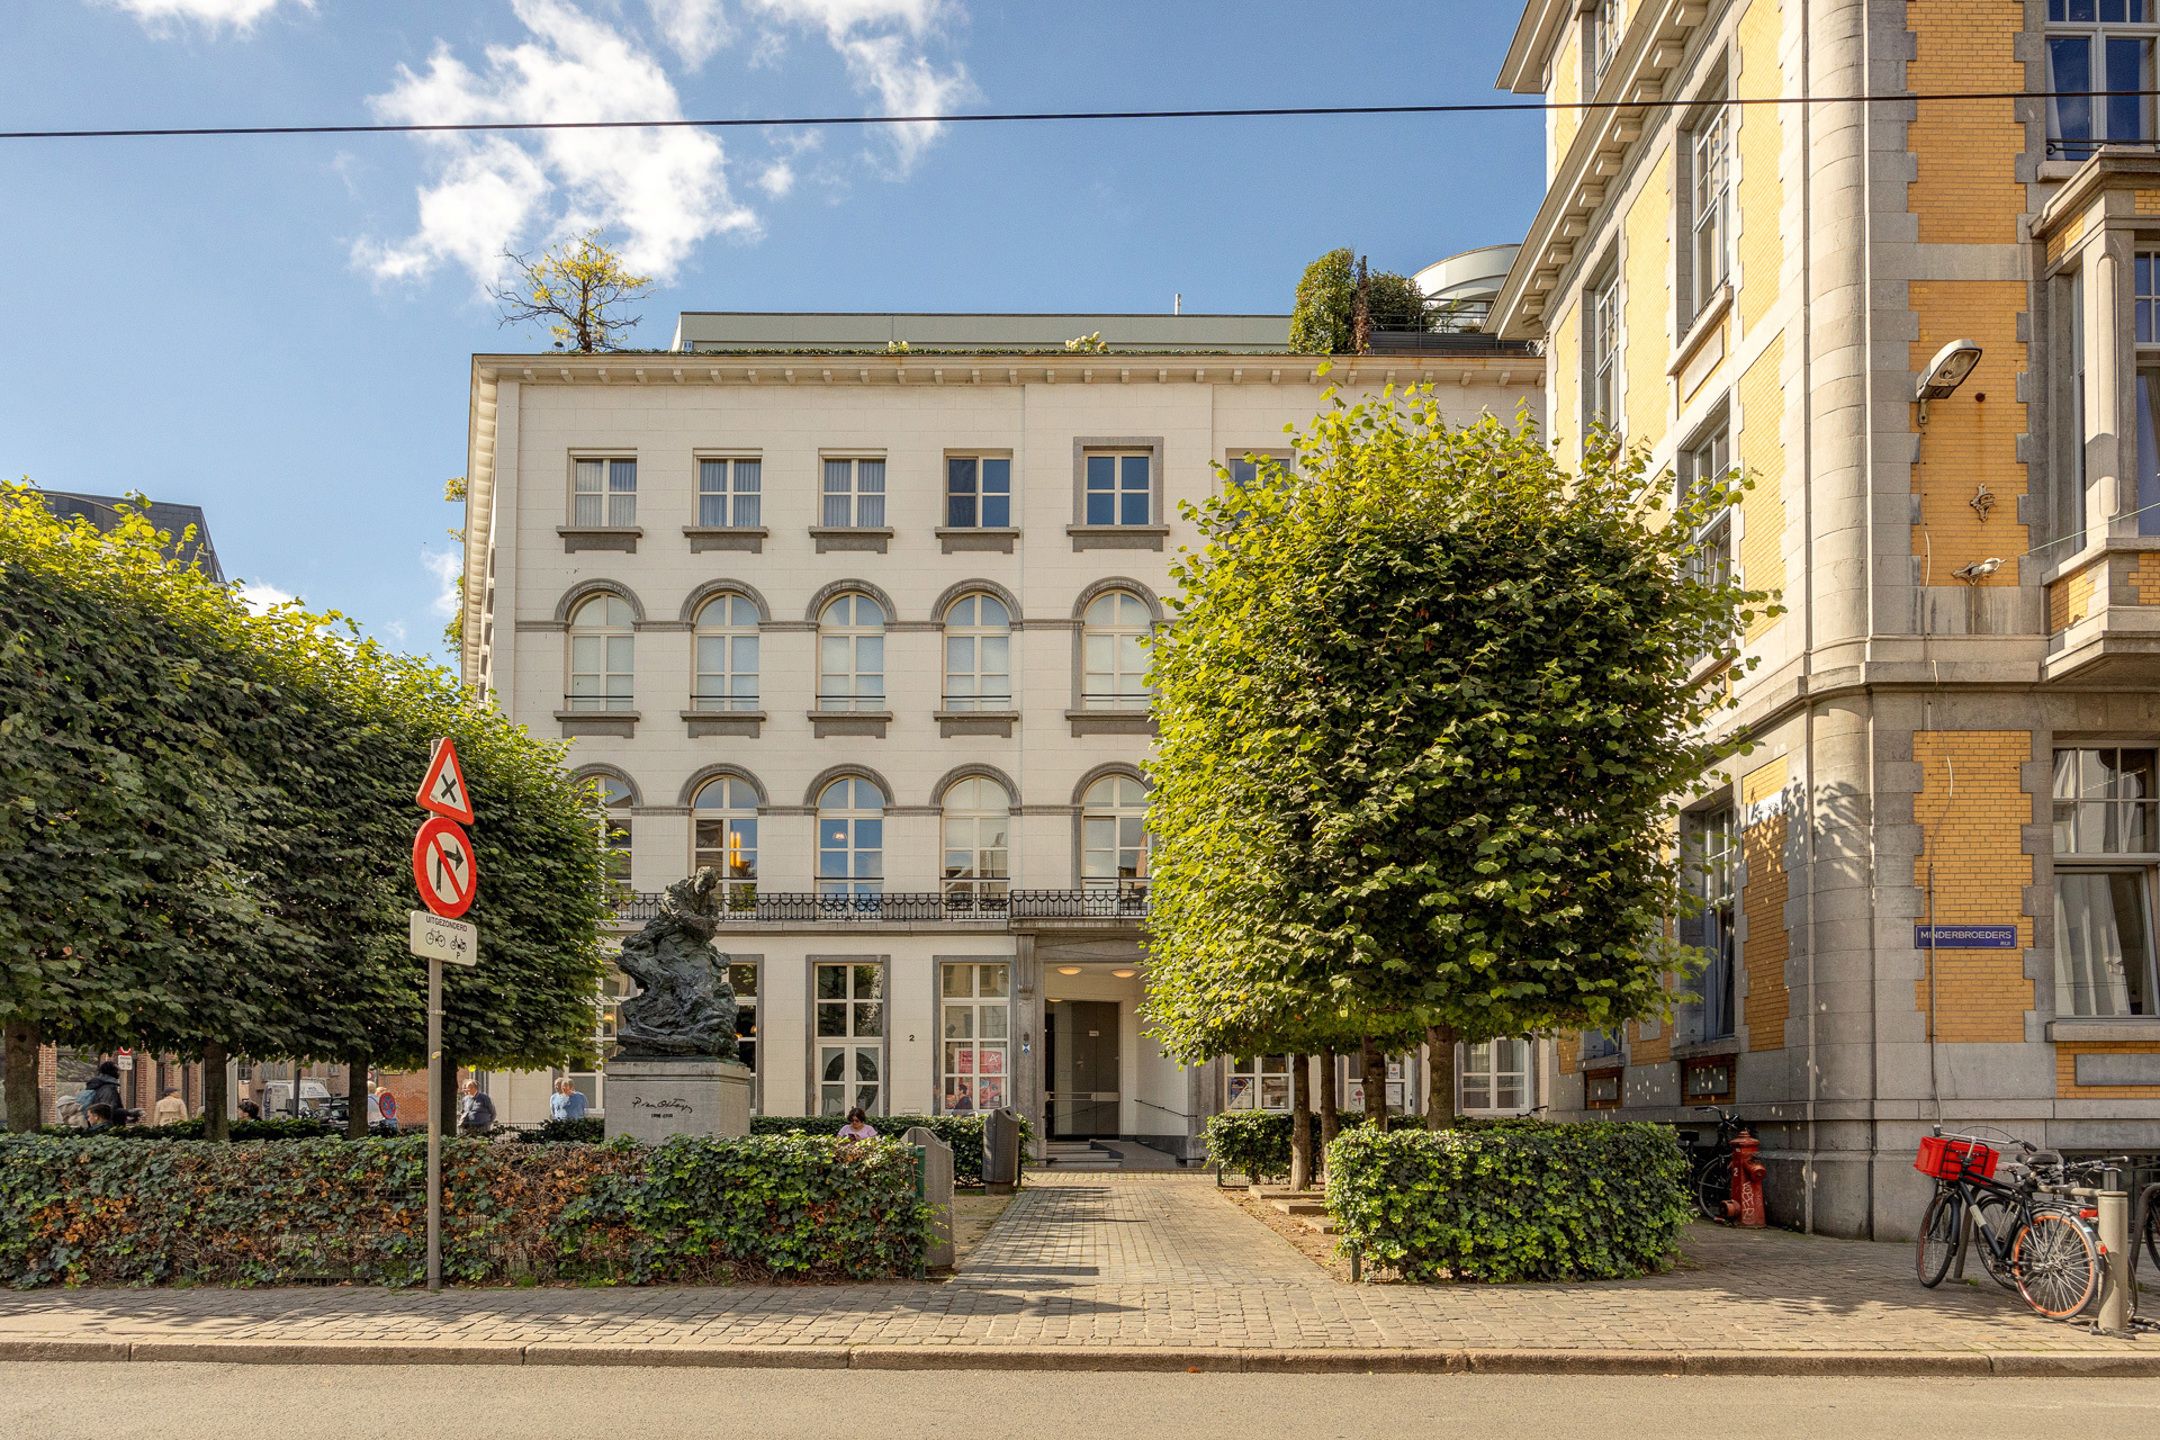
pixel 2107 852
pixel 2099 45
pixel 1707 208
pixel 978 492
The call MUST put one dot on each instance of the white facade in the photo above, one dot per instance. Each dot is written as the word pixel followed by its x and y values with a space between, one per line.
pixel 622 606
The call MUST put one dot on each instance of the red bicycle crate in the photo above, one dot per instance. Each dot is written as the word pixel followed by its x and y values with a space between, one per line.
pixel 1944 1158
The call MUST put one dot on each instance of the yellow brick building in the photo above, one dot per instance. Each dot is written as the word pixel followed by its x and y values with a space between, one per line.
pixel 1928 888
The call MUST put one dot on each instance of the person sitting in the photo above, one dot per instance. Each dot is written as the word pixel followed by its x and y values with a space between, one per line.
pixel 858 1126
pixel 103 1120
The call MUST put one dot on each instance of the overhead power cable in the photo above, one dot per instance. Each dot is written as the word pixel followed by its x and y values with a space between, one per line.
pixel 1010 117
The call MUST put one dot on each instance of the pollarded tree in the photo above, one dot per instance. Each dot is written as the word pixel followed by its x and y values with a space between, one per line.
pixel 1427 707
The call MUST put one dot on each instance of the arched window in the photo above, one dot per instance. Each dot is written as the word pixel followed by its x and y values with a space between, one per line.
pixel 724 836
pixel 851 839
pixel 727 655
pixel 1113 664
pixel 1113 834
pixel 978 654
pixel 601 654
pixel 978 828
pixel 615 801
pixel 851 654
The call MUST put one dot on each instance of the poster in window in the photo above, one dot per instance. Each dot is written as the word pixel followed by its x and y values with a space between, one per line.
pixel 1241 1092
pixel 1275 1092
pixel 991 1061
pixel 990 1093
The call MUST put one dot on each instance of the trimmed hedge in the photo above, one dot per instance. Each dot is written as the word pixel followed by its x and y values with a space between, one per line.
pixel 1255 1142
pixel 1511 1200
pixel 585 1130
pixel 283 1127
pixel 963 1132
pixel 96 1211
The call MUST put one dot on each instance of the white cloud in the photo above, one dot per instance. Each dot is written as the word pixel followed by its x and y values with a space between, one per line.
pixel 260 597
pixel 239 15
pixel 882 43
pixel 776 179
pixel 696 30
pixel 447 566
pixel 663 191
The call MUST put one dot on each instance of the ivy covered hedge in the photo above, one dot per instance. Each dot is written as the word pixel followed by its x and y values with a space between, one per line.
pixel 1515 1200
pixel 963 1132
pixel 1255 1143
pixel 105 1212
pixel 282 1127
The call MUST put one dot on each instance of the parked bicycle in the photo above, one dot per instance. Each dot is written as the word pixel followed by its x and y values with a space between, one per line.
pixel 2035 1243
pixel 1710 1165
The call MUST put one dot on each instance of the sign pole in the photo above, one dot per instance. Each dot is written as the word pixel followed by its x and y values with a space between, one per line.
pixel 434 1125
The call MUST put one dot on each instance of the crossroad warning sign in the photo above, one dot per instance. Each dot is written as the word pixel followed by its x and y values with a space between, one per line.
pixel 443 791
pixel 444 868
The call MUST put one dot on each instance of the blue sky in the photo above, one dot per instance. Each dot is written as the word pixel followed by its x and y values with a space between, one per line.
pixel 279 329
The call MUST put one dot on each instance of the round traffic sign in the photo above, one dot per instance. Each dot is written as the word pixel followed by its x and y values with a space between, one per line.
pixel 444 868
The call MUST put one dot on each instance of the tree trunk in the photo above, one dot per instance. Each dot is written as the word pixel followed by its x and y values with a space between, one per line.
pixel 1330 1123
pixel 21 1054
pixel 356 1093
pixel 1301 1166
pixel 216 1102
pixel 1440 1077
pixel 1373 1065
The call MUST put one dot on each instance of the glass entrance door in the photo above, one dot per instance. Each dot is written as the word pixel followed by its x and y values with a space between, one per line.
pixel 1082 1037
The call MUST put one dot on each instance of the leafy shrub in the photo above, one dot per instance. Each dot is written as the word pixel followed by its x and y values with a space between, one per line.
pixel 1254 1142
pixel 963 1132
pixel 1323 315
pixel 1517 1200
pixel 98 1211
pixel 586 1129
pixel 283 1127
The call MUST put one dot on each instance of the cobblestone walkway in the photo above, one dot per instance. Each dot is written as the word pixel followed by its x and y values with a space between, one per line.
pixel 1117 1265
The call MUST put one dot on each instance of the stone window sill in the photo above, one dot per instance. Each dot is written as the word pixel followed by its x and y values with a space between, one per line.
pixel 726 537
pixel 1699 328
pixel 850 537
pixel 1723 1047
pixel 2103 1028
pixel 1111 722
pixel 976 722
pixel 621 723
pixel 748 723
pixel 953 539
pixel 600 537
pixel 872 723
pixel 1117 537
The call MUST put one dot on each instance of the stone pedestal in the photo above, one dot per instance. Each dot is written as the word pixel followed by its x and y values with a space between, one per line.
pixel 651 1100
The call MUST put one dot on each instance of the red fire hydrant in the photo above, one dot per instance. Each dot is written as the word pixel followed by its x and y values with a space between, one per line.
pixel 1746 1205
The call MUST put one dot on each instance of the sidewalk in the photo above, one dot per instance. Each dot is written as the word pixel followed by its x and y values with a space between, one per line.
pixel 1138 1271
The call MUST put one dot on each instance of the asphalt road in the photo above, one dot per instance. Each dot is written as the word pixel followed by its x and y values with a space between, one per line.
pixel 178 1402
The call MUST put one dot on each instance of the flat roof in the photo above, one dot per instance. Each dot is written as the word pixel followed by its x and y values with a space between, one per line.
pixel 780 331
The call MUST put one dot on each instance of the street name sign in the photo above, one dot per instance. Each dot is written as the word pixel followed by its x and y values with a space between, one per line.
pixel 434 938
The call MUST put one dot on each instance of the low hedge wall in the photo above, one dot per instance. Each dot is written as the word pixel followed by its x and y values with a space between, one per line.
pixel 282 1127
pixel 1515 1200
pixel 98 1211
pixel 1255 1143
pixel 963 1132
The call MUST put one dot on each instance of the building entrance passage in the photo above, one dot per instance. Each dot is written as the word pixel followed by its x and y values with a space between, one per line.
pixel 1080 1039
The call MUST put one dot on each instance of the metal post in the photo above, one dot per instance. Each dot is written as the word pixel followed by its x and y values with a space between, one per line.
pixel 2115 1256
pixel 434 1125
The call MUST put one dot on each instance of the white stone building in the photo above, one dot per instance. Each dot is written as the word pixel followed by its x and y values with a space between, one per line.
pixel 860 630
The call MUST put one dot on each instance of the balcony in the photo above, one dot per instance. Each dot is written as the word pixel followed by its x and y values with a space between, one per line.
pixel 1110 904
pixel 2103 614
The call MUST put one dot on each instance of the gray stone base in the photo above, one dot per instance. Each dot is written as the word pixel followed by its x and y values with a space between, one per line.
pixel 651 1100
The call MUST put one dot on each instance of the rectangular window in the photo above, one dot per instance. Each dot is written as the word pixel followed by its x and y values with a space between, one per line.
pixel 1600 1044
pixel 1707 1082
pixel 976 1030
pixel 1601 1089
pixel 854 494
pixel 730 493
pixel 745 980
pixel 1707 209
pixel 849 1039
pixel 2073 503
pixel 1119 488
pixel 603 494
pixel 2099 45
pixel 2145 303
pixel 1707 839
pixel 2105 799
pixel 978 492
pixel 1258 1082
pixel 1494 1078
pixel 1601 352
pixel 1605 24
pixel 1709 462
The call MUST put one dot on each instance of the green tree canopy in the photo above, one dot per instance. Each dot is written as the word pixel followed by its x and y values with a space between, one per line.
pixel 1324 313
pixel 1427 706
pixel 208 820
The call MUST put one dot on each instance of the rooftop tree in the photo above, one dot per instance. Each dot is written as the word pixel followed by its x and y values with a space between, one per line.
pixel 1428 706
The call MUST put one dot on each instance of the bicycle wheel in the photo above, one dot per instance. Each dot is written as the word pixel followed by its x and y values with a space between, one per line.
pixel 1994 1214
pixel 1941 1227
pixel 1713 1187
pixel 2057 1268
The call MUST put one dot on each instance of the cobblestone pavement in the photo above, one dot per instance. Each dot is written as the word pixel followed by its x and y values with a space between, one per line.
pixel 1114 1264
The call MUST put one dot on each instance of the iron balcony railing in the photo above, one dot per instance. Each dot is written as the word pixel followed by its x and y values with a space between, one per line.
pixel 1120 900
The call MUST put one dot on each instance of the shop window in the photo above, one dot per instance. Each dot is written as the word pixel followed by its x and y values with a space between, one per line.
pixel 1258 1082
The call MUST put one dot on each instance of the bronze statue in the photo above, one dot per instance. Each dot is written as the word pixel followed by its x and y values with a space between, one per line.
pixel 685 1007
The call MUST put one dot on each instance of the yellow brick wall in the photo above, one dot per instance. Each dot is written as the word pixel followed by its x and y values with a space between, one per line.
pixel 1762 451
pixel 2145 580
pixel 2065 236
pixel 1968 441
pixel 1567 1045
pixel 2146 202
pixel 1965 188
pixel 1759 145
pixel 1647 297
pixel 1971 832
pixel 2070 598
pixel 1564 421
pixel 2067 1088
pixel 1762 901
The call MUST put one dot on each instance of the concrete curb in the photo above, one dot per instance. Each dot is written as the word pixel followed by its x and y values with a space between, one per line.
pixel 1826 1363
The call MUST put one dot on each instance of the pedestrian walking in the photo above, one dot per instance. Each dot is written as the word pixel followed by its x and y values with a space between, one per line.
pixel 858 1126
pixel 567 1103
pixel 170 1108
pixel 476 1112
